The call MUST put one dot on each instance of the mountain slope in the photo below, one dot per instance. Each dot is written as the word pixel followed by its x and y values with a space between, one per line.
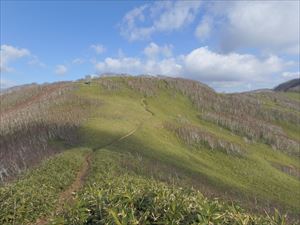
pixel 240 147
pixel 291 85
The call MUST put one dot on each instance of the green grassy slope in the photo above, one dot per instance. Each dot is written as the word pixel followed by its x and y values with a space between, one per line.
pixel 262 176
pixel 251 177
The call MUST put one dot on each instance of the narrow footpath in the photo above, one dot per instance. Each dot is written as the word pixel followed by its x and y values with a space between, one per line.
pixel 66 196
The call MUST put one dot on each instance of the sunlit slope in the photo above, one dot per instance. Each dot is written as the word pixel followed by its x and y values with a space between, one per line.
pixel 252 176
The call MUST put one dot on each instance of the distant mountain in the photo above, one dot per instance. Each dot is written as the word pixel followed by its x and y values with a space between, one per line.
pixel 291 85
pixel 263 90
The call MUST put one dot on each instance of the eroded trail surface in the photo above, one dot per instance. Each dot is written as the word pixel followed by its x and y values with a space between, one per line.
pixel 66 196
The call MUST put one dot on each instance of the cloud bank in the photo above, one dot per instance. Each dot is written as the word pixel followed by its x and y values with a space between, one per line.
pixel 271 26
pixel 201 64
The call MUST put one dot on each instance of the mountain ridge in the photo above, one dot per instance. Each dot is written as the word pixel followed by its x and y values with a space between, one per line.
pixel 294 82
pixel 291 85
pixel 237 147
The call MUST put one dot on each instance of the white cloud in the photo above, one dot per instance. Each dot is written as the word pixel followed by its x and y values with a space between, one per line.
pixel 170 67
pixel 61 69
pixel 201 64
pixel 153 50
pixel 99 49
pixel 206 65
pixel 119 65
pixel 291 75
pixel 9 54
pixel 138 66
pixel 34 61
pixel 120 53
pixel 163 16
pixel 203 29
pixel 273 26
pixel 78 61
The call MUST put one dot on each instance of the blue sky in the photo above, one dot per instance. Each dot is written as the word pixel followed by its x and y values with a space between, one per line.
pixel 237 46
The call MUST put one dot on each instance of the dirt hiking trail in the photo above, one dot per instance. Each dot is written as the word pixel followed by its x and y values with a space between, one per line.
pixel 67 195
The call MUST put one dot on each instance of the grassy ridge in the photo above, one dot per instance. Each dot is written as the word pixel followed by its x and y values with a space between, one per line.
pixel 35 195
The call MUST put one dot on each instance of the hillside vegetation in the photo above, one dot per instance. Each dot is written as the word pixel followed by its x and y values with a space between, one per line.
pixel 163 149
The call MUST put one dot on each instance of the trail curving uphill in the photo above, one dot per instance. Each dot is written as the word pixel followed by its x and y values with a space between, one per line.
pixel 66 196
pixel 130 133
pixel 118 139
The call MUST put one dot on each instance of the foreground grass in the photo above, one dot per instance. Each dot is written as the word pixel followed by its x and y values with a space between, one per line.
pixel 35 195
pixel 116 195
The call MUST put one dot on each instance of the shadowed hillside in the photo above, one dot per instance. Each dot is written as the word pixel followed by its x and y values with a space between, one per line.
pixel 156 144
pixel 291 85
